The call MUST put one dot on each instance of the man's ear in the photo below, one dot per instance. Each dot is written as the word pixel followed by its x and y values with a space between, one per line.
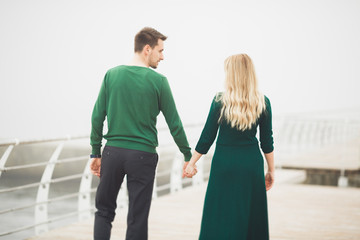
pixel 147 49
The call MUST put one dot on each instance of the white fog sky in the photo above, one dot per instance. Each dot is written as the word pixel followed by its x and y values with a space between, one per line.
pixel 54 54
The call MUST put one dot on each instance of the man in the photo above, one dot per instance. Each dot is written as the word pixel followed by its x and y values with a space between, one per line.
pixel 131 97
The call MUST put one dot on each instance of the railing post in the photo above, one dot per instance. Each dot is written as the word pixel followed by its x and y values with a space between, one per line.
pixel 84 202
pixel 41 208
pixel 5 157
pixel 176 172
pixel 343 180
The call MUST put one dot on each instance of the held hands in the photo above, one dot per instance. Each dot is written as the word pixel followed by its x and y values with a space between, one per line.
pixel 269 180
pixel 189 170
pixel 95 166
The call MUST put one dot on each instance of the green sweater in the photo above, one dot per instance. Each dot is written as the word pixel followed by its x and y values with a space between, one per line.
pixel 131 97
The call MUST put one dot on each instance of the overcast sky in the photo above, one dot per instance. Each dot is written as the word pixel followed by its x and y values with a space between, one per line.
pixel 54 54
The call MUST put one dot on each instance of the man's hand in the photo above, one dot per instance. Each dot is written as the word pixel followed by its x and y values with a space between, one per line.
pixel 190 170
pixel 95 166
pixel 184 167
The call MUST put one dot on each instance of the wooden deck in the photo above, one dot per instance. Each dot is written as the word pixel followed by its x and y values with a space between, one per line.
pixel 295 212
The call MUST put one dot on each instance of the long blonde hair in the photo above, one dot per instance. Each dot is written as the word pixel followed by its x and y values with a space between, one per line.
pixel 242 103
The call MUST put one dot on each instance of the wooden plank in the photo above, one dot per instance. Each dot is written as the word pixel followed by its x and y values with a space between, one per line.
pixel 295 212
pixel 314 212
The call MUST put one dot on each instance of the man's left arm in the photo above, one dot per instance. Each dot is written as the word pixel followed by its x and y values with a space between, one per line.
pixel 168 108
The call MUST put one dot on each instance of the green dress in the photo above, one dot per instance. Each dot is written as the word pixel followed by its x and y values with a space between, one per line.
pixel 235 206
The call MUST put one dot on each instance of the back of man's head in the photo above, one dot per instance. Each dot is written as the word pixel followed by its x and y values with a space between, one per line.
pixel 148 36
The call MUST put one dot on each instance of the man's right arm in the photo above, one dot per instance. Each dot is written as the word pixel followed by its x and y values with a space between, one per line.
pixel 97 120
pixel 168 108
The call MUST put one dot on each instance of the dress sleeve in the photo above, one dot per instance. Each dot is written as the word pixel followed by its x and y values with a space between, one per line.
pixel 211 127
pixel 266 133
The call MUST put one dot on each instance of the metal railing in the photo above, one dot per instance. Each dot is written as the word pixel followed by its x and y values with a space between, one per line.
pixel 294 133
pixel 42 200
pixel 85 207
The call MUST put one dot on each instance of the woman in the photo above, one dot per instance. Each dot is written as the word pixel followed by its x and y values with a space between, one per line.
pixel 235 205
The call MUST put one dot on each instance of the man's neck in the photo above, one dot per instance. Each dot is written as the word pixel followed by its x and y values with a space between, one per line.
pixel 139 60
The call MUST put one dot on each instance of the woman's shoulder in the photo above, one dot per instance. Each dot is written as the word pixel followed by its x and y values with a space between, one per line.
pixel 266 98
pixel 267 101
pixel 267 109
pixel 218 96
pixel 217 100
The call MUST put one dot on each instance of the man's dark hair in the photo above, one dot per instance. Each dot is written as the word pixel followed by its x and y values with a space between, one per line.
pixel 146 36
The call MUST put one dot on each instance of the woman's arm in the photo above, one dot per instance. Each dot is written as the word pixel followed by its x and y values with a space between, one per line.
pixel 190 169
pixel 207 138
pixel 270 175
pixel 270 161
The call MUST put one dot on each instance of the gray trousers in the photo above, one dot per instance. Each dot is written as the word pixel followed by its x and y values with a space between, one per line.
pixel 139 167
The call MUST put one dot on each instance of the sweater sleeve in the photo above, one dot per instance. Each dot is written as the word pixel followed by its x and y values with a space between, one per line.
pixel 168 108
pixel 210 129
pixel 266 133
pixel 97 120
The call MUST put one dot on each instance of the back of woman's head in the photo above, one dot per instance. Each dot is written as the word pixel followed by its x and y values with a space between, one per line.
pixel 242 103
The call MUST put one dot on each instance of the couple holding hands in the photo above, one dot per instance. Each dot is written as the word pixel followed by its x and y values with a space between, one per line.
pixel 132 96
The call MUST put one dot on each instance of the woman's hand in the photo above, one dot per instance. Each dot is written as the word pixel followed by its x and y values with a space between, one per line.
pixel 190 170
pixel 269 180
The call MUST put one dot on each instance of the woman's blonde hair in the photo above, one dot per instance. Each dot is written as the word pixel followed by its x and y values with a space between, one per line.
pixel 242 103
